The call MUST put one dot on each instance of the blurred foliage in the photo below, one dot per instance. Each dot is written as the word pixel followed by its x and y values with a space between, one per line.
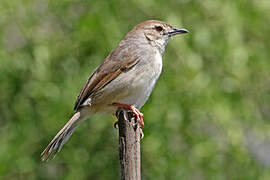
pixel 208 117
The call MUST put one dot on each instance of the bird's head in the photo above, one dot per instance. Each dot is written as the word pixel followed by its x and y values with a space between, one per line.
pixel 157 33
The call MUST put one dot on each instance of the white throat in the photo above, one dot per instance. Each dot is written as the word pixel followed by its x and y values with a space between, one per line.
pixel 161 44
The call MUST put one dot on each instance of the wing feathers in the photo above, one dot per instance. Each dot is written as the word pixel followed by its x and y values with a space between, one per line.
pixel 111 68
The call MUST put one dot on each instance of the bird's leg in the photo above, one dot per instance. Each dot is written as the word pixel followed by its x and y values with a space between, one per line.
pixel 138 114
pixel 140 117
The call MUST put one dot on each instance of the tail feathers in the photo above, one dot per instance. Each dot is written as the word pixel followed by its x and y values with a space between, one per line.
pixel 61 137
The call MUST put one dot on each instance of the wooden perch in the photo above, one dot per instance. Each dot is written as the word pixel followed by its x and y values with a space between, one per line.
pixel 129 146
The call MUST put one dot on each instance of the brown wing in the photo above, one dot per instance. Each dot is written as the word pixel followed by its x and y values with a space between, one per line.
pixel 112 66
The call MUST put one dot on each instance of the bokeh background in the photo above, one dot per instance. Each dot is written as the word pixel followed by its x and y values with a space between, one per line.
pixel 209 114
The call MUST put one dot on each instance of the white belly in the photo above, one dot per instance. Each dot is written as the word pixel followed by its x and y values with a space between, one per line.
pixel 143 83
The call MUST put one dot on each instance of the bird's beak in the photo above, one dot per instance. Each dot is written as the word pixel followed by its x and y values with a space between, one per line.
pixel 176 31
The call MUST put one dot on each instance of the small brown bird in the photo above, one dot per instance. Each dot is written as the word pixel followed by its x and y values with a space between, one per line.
pixel 124 79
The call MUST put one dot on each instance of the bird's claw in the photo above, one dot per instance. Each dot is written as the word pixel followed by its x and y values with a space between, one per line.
pixel 141 133
pixel 140 129
pixel 136 112
pixel 115 125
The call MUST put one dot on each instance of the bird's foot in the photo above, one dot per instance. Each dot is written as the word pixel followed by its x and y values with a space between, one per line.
pixel 135 111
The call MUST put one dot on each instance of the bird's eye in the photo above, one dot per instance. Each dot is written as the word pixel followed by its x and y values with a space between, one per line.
pixel 159 28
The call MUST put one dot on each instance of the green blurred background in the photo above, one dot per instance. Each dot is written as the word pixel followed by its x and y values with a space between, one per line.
pixel 208 117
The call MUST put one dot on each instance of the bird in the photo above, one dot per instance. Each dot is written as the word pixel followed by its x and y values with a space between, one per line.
pixel 125 78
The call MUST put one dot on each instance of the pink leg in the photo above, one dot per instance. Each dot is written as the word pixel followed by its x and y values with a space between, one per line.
pixel 138 114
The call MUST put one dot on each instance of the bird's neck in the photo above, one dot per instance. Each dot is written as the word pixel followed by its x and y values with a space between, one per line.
pixel 160 45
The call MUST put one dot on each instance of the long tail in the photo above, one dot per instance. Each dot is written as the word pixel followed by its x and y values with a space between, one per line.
pixel 61 137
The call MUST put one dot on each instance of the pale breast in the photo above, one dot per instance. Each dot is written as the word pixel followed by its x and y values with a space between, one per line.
pixel 132 87
pixel 144 82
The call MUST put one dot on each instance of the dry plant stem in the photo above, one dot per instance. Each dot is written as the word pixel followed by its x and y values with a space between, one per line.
pixel 129 145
